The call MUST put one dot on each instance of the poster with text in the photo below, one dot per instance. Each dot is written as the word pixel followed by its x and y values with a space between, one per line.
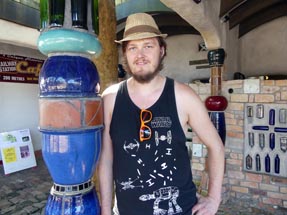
pixel 17 150
pixel 19 69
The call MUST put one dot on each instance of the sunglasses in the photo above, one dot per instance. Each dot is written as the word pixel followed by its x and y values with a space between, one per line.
pixel 145 131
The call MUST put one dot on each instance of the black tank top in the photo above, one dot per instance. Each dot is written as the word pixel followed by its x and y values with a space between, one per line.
pixel 153 176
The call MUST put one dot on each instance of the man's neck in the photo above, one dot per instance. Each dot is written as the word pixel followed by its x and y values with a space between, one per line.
pixel 145 95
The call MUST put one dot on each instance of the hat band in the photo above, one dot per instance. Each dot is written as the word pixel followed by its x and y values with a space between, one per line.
pixel 140 29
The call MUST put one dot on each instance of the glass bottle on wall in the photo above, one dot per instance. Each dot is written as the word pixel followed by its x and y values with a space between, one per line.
pixel 258 162
pixel 277 164
pixel 57 12
pixel 267 163
pixel 248 162
pixel 79 13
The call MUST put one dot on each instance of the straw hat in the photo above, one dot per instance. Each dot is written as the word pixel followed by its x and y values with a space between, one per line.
pixel 140 26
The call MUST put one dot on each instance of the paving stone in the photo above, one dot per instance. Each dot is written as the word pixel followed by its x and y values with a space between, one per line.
pixel 26 193
pixel 5 203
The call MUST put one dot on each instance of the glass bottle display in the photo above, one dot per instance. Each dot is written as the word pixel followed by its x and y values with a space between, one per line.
pixel 57 12
pixel 265 138
pixel 79 13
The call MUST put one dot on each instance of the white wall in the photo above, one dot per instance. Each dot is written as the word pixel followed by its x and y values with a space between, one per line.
pixel 264 49
pixel 261 51
pixel 19 109
pixel 19 102
pixel 180 50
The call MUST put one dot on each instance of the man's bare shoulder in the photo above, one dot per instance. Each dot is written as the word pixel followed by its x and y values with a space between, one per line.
pixel 182 89
pixel 111 90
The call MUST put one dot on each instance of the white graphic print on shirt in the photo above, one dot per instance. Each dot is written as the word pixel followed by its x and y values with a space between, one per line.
pixel 161 174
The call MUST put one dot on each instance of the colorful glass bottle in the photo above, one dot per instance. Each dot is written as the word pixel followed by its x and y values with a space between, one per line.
pixel 261 141
pixel 251 139
pixel 95 16
pixel 258 163
pixel 44 13
pixel 57 12
pixel 248 162
pixel 267 163
pixel 272 141
pixel 79 13
pixel 272 117
pixel 277 164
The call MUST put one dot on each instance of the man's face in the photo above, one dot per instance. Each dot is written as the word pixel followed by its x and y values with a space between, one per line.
pixel 144 57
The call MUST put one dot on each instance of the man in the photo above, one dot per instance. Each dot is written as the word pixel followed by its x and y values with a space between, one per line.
pixel 146 118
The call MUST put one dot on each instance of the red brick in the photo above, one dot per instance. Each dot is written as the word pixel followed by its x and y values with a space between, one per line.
pixel 269 187
pixel 235 174
pixel 235 134
pixel 272 201
pixel 233 155
pixel 277 195
pixel 283 95
pixel 253 177
pixel 268 82
pixel 239 98
pixel 249 184
pixel 234 128
pixel 235 106
pixel 283 189
pixel 266 98
pixel 230 121
pixel 282 83
pixel 234 162
pixel 239 189
pixel 268 89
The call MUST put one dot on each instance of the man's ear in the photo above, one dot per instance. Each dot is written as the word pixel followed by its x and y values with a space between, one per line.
pixel 162 52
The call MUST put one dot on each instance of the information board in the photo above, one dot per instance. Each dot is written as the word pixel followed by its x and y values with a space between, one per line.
pixel 17 150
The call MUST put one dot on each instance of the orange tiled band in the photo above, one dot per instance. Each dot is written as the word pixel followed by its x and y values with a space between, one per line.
pixel 67 113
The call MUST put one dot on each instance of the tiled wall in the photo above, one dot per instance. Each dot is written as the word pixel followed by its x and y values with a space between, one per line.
pixel 266 191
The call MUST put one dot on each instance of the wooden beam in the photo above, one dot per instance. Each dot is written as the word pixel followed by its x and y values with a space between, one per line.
pixel 227 5
pixel 248 9
pixel 264 16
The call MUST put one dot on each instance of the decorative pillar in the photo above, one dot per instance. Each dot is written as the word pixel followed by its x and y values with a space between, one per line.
pixel 71 118
pixel 216 103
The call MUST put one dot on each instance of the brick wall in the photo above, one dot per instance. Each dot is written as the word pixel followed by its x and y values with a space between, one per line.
pixel 265 191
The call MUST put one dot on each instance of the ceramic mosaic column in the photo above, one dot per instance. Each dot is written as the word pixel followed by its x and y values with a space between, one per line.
pixel 216 103
pixel 71 118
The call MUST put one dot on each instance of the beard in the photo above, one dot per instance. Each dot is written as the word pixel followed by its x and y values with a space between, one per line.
pixel 146 78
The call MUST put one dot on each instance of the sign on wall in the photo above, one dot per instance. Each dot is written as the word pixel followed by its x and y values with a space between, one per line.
pixel 19 69
pixel 17 150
